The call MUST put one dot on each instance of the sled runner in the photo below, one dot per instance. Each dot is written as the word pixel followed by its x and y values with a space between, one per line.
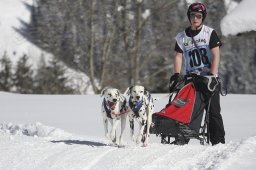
pixel 184 117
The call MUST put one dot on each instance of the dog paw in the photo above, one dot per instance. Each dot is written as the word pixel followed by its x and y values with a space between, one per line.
pixel 138 140
pixel 113 137
pixel 145 144
pixel 114 141
pixel 121 146
pixel 121 142
pixel 107 136
pixel 143 138
pixel 133 138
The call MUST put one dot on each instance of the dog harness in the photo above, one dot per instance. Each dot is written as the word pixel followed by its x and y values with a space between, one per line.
pixel 136 107
pixel 123 109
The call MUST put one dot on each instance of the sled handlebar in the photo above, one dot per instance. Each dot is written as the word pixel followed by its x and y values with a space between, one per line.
pixel 210 81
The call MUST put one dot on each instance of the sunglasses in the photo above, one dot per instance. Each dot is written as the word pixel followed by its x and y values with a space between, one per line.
pixel 198 16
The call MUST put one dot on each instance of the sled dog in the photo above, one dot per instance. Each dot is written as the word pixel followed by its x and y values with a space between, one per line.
pixel 114 110
pixel 141 108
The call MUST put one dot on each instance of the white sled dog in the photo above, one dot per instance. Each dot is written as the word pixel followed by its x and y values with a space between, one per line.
pixel 141 108
pixel 114 110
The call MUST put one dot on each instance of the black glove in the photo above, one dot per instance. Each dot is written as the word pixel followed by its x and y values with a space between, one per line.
pixel 209 74
pixel 174 77
pixel 213 82
pixel 173 82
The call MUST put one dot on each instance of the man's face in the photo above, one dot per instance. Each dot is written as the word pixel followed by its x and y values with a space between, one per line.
pixel 196 19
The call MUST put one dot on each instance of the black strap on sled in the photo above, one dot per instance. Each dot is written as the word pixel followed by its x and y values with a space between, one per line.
pixel 208 121
pixel 205 130
pixel 222 87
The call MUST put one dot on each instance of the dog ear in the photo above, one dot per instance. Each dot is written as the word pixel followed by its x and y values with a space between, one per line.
pixel 103 91
pixel 128 91
pixel 118 92
pixel 146 92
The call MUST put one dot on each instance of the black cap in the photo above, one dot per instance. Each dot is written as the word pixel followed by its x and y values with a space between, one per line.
pixel 197 7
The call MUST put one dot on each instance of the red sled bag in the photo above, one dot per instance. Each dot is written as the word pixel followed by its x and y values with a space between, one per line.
pixel 181 107
pixel 187 108
pixel 184 117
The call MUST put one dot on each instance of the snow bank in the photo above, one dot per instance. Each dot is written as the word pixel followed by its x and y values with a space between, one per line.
pixel 240 19
pixel 34 130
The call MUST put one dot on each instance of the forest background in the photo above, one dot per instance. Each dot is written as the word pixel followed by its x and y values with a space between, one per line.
pixel 119 43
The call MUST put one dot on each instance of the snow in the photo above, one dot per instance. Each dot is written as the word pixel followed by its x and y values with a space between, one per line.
pixel 52 132
pixel 120 8
pixel 230 5
pixel 191 1
pixel 146 14
pixel 241 19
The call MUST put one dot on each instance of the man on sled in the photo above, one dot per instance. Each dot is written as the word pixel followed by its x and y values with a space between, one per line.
pixel 198 46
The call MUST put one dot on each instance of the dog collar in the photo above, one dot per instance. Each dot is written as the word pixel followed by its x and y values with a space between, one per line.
pixel 136 107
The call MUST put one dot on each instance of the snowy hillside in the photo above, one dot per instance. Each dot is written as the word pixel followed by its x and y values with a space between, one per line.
pixel 70 136
pixel 15 46
pixel 11 42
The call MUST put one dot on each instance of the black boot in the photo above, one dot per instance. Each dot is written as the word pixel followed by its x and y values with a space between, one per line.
pixel 217 140
pixel 180 140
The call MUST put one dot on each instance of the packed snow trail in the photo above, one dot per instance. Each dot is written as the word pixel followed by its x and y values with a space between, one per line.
pixel 23 147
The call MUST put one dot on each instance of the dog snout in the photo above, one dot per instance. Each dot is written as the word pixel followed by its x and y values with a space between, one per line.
pixel 114 100
pixel 137 97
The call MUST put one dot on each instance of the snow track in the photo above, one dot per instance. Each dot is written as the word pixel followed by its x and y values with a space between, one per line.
pixel 63 151
pixel 97 159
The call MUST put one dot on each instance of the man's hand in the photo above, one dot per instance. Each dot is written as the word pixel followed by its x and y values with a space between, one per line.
pixel 173 81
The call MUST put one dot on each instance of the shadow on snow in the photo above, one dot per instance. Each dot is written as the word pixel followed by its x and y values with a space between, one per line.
pixel 78 142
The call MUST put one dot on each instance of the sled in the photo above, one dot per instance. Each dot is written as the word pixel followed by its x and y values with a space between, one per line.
pixel 185 116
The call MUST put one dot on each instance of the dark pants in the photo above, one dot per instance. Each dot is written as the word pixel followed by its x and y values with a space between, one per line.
pixel 217 132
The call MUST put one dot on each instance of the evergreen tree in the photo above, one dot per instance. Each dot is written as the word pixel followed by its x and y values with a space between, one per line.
pixel 50 79
pixel 23 78
pixel 6 75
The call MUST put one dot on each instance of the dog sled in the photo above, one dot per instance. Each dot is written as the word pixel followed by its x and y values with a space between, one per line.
pixel 185 116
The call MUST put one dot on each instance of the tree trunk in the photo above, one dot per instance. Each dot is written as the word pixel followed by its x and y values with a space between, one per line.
pixel 92 41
